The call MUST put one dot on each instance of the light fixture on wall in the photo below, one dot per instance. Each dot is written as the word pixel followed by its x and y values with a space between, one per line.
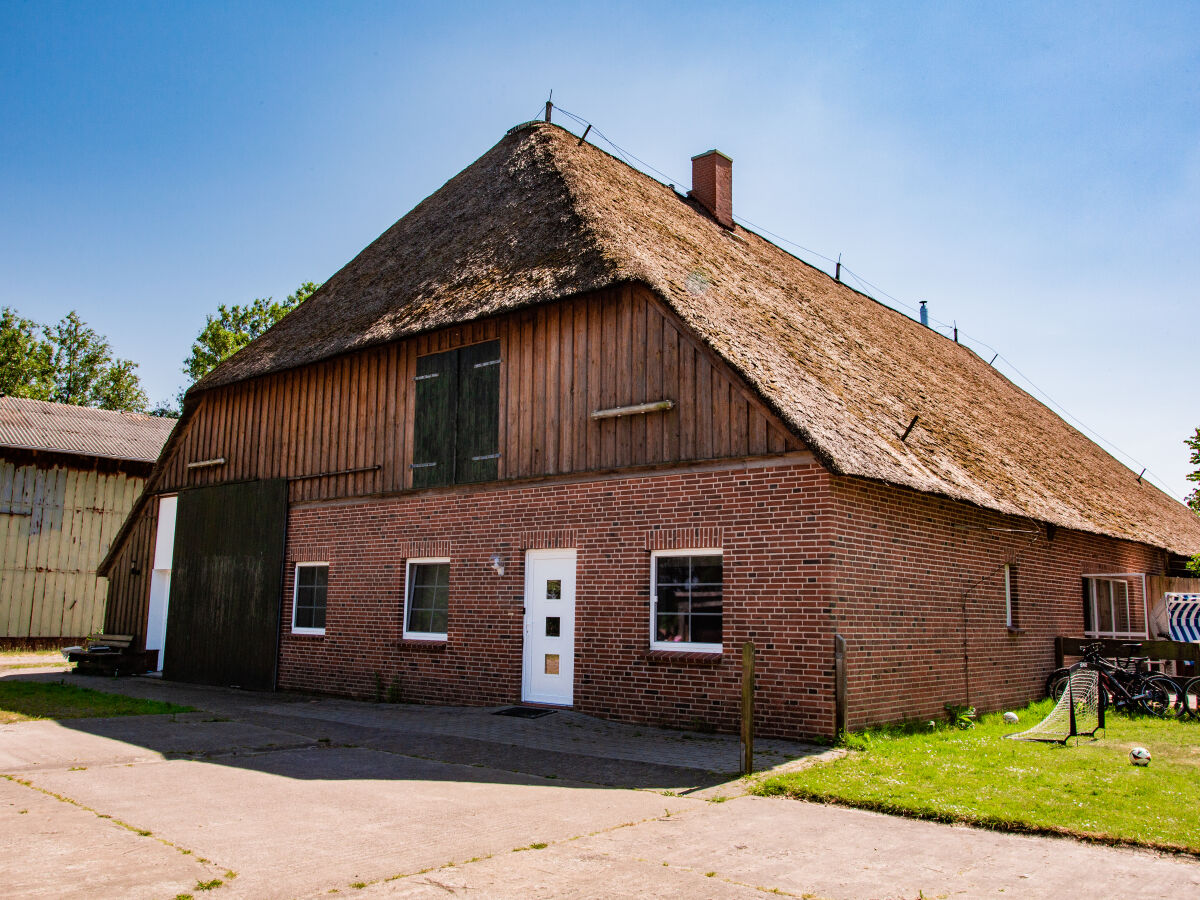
pixel 497 564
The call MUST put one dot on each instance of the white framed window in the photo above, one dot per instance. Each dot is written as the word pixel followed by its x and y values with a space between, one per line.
pixel 1010 595
pixel 686 591
pixel 309 595
pixel 426 598
pixel 1106 608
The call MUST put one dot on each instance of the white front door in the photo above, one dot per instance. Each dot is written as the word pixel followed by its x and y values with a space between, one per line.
pixel 549 669
pixel 160 578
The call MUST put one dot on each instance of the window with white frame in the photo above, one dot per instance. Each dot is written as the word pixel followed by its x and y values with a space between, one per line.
pixel 686 589
pixel 426 599
pixel 1106 608
pixel 1010 595
pixel 309 596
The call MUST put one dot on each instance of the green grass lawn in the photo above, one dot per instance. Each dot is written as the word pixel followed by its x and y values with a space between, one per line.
pixel 22 700
pixel 977 776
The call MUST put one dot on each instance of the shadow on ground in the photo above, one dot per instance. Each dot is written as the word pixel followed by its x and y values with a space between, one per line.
pixel 249 730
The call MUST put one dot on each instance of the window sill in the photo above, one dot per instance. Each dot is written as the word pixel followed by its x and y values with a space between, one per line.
pixel 306 633
pixel 683 657
pixel 421 644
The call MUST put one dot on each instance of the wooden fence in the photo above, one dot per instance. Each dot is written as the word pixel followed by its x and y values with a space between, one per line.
pixel 1178 651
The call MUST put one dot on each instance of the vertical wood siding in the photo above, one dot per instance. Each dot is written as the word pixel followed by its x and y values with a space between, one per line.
pixel 129 578
pixel 560 362
pixel 56 524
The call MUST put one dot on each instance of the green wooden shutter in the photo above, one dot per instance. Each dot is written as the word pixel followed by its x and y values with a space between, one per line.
pixel 478 422
pixel 434 419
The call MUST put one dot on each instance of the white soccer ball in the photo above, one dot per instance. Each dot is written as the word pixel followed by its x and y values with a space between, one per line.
pixel 1011 718
pixel 1139 756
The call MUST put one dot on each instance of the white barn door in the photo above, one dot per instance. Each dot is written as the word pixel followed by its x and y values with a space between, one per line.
pixel 549 663
pixel 160 578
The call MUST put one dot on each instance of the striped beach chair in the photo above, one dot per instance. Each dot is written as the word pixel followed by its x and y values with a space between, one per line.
pixel 1183 611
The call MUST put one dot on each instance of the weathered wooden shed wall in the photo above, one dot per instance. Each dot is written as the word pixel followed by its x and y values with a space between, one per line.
pixel 57 521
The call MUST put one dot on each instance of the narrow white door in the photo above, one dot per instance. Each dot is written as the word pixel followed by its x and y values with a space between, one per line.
pixel 160 578
pixel 549 669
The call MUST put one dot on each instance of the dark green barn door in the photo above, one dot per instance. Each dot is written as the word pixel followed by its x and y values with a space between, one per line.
pixel 433 430
pixel 226 578
pixel 456 428
pixel 477 431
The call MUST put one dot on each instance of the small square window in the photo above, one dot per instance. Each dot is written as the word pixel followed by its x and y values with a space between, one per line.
pixel 554 589
pixel 427 599
pixel 553 626
pixel 309 598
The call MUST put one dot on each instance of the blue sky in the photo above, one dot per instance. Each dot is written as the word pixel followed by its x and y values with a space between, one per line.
pixel 1031 170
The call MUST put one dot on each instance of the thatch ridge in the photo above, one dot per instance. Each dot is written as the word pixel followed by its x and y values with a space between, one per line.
pixel 540 217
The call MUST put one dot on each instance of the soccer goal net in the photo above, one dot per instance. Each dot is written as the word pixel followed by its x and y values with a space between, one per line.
pixel 1079 711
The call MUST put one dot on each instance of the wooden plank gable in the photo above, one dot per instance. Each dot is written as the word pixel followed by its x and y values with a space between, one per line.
pixel 344 427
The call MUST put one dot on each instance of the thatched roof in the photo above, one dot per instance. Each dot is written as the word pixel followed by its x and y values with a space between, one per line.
pixel 81 431
pixel 540 217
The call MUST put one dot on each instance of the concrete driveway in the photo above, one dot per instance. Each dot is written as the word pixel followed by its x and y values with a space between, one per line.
pixel 283 796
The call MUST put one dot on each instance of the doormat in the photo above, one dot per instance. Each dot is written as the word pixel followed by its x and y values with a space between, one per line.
pixel 523 712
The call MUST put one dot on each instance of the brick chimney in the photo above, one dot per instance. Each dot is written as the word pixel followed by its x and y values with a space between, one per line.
pixel 712 184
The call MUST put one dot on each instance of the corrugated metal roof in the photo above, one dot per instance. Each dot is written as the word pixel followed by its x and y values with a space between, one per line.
pixel 37 425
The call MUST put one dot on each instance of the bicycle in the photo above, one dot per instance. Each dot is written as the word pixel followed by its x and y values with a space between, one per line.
pixel 1123 685
pixel 1190 698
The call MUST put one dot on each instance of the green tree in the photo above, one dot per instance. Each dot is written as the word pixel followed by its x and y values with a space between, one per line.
pixel 26 363
pixel 119 388
pixel 1193 443
pixel 1193 499
pixel 172 409
pixel 69 363
pixel 233 327
pixel 84 372
pixel 80 357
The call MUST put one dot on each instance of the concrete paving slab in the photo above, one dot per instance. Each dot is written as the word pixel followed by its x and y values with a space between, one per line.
pixel 47 744
pixel 751 845
pixel 278 794
pixel 564 870
pixel 834 852
pixel 563 731
pixel 586 764
pixel 303 821
pixel 49 848
pixel 564 744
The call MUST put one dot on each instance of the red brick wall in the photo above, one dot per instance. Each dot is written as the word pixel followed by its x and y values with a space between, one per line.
pixel 805 554
pixel 909 568
pixel 767 521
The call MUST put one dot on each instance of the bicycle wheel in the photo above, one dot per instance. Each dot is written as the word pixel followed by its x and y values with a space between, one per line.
pixel 1056 683
pixel 1158 695
pixel 1191 697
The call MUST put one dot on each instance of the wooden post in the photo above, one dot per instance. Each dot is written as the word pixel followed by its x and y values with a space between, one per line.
pixel 839 684
pixel 747 707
